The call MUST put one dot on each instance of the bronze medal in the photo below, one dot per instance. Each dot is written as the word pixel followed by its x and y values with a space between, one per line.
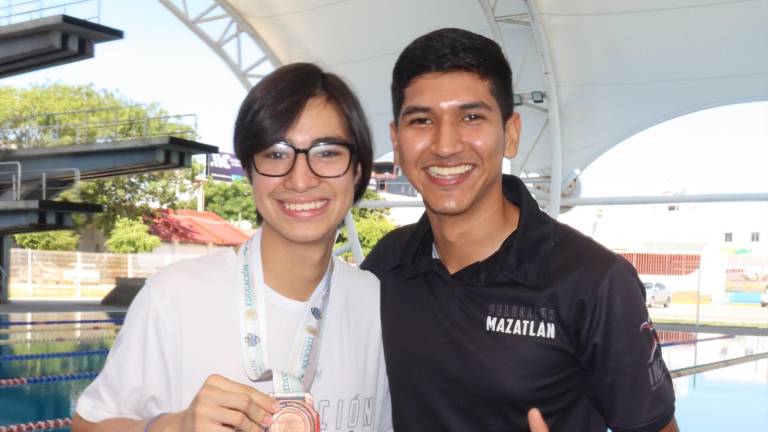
pixel 296 415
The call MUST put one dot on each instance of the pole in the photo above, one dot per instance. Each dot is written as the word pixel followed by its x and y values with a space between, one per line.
pixel 5 265
pixel 698 295
pixel 29 272
pixel 78 266
pixel 354 240
pixel 200 197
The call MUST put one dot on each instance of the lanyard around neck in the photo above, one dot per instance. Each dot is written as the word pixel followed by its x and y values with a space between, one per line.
pixel 297 377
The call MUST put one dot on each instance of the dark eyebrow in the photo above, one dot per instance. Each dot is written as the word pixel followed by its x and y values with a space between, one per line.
pixel 330 139
pixel 415 109
pixel 333 139
pixel 475 105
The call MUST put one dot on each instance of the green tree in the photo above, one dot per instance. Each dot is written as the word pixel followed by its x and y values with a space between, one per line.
pixel 131 236
pixel 132 197
pixel 48 240
pixel 371 224
pixel 230 200
pixel 371 230
pixel 57 114
pixel 370 195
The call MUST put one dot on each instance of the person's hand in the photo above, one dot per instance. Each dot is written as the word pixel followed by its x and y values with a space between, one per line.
pixel 222 404
pixel 536 421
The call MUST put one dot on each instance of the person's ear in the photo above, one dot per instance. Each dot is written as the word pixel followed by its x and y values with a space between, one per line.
pixel 393 138
pixel 358 173
pixel 512 135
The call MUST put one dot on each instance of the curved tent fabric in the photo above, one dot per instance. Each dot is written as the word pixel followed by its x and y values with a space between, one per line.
pixel 619 66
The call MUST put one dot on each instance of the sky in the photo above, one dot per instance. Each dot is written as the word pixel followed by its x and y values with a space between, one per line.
pixel 721 150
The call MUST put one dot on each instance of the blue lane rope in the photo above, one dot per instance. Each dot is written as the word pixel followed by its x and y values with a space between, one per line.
pixel 14 357
pixel 59 423
pixel 58 339
pixel 94 321
pixel 42 379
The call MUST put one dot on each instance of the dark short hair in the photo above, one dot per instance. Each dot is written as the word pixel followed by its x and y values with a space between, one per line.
pixel 276 102
pixel 454 50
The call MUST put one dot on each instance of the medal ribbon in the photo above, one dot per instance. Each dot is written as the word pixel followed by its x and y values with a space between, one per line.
pixel 298 378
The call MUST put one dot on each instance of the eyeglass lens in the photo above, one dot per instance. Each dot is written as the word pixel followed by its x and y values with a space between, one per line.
pixel 324 159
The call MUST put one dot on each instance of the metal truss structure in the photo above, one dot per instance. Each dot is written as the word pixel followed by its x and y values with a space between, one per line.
pixel 235 41
pixel 532 20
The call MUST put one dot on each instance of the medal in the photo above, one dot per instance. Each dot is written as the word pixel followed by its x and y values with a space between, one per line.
pixel 297 413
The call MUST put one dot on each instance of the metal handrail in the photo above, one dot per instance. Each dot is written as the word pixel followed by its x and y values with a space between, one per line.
pixel 17 180
pixel 44 178
pixel 75 171
pixel 39 11
pixel 22 136
pixel 692 370
pixel 80 111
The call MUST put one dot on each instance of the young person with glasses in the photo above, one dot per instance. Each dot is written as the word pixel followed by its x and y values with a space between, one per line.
pixel 278 334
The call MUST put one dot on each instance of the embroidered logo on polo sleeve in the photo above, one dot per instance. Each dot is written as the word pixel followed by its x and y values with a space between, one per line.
pixel 653 339
pixel 657 370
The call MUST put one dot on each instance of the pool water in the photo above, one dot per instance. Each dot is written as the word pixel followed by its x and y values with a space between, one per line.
pixel 733 398
pixel 67 376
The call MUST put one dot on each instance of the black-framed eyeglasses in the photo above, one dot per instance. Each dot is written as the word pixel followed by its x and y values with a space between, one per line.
pixel 325 159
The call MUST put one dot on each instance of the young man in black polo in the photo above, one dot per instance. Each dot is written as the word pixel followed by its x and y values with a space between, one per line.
pixel 490 307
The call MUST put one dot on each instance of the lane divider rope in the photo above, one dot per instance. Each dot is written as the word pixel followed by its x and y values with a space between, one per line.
pixel 58 328
pixel 58 423
pixel 89 338
pixel 93 321
pixel 14 357
pixel 41 379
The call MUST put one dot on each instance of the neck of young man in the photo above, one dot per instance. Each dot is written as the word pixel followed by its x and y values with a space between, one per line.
pixel 473 235
pixel 293 269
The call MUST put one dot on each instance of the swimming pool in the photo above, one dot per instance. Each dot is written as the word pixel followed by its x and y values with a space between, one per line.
pixel 44 367
pixel 49 375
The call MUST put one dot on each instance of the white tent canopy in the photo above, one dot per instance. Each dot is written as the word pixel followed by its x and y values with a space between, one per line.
pixel 609 68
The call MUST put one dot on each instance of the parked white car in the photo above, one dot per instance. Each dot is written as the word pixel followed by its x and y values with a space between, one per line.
pixel 657 293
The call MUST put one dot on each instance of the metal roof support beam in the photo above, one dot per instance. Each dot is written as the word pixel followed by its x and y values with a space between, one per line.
pixel 533 20
pixel 673 199
pixel 493 21
pixel 556 163
pixel 235 31
pixel 602 201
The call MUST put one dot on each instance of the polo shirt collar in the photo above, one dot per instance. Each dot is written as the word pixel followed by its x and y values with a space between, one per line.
pixel 523 257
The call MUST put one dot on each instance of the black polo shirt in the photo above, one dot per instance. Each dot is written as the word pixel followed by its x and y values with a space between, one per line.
pixel 551 320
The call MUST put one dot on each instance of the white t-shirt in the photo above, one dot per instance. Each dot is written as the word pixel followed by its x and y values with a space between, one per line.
pixel 283 320
pixel 184 326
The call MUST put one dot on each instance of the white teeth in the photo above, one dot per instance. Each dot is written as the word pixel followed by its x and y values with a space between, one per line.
pixel 439 171
pixel 304 206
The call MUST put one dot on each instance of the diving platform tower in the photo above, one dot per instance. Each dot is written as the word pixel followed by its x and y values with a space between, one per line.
pixel 31 177
pixel 46 154
pixel 50 41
